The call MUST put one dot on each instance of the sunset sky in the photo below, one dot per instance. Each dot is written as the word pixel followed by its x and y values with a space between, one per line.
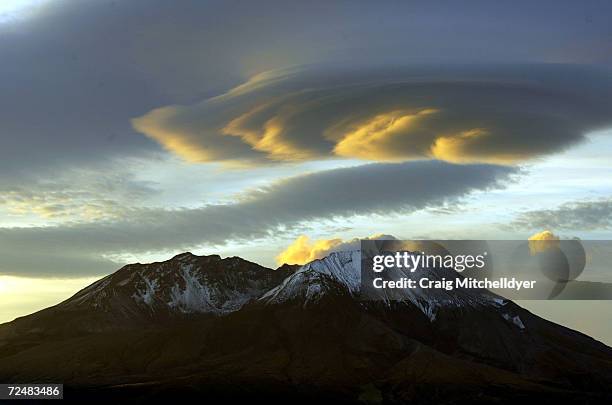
pixel 133 131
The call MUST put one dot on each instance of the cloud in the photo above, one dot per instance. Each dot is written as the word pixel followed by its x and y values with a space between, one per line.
pixel 494 114
pixel 544 235
pixel 381 137
pixel 542 241
pixel 98 192
pixel 93 193
pixel 303 250
pixel 578 215
pixel 109 64
pixel 375 189
pixel 112 61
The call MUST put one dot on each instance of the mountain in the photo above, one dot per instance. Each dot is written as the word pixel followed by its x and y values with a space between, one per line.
pixel 205 328
pixel 139 294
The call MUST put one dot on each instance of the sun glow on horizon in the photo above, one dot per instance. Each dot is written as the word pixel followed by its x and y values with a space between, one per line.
pixel 21 296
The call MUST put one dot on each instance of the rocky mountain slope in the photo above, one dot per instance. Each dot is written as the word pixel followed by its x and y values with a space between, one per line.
pixel 206 327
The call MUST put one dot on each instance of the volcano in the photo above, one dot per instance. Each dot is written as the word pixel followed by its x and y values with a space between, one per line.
pixel 200 328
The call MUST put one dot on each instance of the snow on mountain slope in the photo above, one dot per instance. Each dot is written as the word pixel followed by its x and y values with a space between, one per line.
pixel 315 278
pixel 184 284
pixel 188 284
pixel 311 328
pixel 343 270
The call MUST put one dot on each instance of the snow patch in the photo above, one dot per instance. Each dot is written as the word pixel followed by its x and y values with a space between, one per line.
pixel 310 282
pixel 516 320
pixel 147 295
pixel 195 297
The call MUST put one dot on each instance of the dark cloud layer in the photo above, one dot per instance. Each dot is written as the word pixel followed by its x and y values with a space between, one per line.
pixel 578 216
pixel 496 114
pixel 74 73
pixel 369 189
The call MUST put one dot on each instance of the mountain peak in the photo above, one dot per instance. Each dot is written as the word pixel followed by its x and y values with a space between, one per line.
pixel 184 255
pixel 190 284
pixel 338 270
pixel 191 256
pixel 342 271
pixel 306 324
pixel 185 284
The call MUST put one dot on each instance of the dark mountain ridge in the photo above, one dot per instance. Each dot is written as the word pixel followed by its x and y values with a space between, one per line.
pixel 206 327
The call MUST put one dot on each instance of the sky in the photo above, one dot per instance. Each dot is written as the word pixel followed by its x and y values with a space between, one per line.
pixel 133 131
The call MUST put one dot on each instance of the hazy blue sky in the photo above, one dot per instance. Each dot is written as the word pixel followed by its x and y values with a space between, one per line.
pixel 132 131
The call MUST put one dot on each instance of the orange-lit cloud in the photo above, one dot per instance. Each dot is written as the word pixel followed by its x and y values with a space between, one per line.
pixel 385 136
pixel 380 116
pixel 175 141
pixel 303 250
pixel 542 241
pixel 456 148
pixel 185 139
pixel 270 137
pixel 189 148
